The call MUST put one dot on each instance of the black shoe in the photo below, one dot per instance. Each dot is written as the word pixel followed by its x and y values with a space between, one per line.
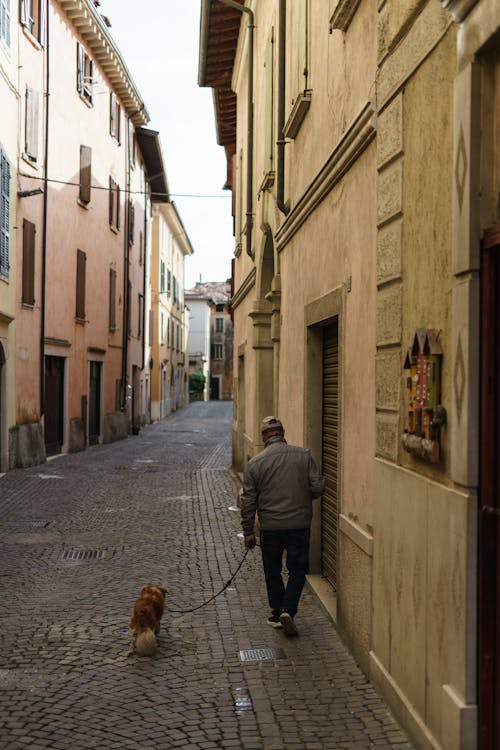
pixel 288 624
pixel 274 621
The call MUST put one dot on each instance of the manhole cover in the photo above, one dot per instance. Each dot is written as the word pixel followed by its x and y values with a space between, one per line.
pixel 82 554
pixel 262 654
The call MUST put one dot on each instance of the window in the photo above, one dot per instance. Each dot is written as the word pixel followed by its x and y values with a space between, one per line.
pixel 28 288
pixel 162 276
pixel 217 351
pixel 85 174
pixel 4 213
pixel 84 73
pixel 5 22
pixel 219 325
pixel 175 291
pixel 162 328
pixel 131 222
pixel 129 305
pixel 168 331
pixel 141 248
pixel 81 261
pixel 33 18
pixel 112 299
pixel 151 327
pixel 169 283
pixel 131 143
pixel 177 338
pixel 31 125
pixel 140 308
pixel 114 117
pixel 114 205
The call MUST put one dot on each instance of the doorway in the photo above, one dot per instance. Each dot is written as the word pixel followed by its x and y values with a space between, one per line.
pixel 94 402
pixel 489 497
pixel 54 404
pixel 330 453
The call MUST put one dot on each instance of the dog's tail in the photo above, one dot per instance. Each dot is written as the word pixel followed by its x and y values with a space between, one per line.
pixel 146 643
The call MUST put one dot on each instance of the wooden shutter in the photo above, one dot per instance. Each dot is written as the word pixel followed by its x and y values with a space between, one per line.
pixel 111 196
pixel 330 453
pixel 112 114
pixel 42 15
pixel 81 260
pixel 24 12
pixel 151 327
pixel 112 298
pixel 28 293
pixel 131 222
pixel 85 173
pixel 31 124
pixel 80 67
pixel 4 213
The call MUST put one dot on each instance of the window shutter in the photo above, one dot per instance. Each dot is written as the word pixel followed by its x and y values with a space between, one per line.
pixel 112 114
pixel 43 23
pixel 118 207
pixel 112 298
pixel 28 293
pixel 131 220
pixel 31 125
pixel 4 213
pixel 81 260
pixel 151 327
pixel 111 197
pixel 80 67
pixel 85 173
pixel 24 12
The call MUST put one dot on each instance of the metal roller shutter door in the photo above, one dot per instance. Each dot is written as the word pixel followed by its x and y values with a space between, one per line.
pixel 329 508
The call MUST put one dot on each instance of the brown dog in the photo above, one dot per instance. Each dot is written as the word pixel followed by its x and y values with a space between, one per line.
pixel 145 622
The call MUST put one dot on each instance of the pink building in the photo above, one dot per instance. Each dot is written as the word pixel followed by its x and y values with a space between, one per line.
pixel 88 168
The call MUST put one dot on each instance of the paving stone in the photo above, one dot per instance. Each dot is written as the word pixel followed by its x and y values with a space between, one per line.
pixel 155 507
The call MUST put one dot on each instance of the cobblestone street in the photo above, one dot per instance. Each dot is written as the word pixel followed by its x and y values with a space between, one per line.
pixel 79 537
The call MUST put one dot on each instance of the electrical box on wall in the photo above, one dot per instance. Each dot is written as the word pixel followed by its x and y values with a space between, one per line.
pixel 426 415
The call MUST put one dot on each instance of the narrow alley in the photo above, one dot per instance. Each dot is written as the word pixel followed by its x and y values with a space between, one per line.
pixel 79 537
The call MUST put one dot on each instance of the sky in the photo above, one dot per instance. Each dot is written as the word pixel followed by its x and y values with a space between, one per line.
pixel 158 40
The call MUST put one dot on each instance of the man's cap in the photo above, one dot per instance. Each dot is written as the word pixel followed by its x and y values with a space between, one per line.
pixel 270 423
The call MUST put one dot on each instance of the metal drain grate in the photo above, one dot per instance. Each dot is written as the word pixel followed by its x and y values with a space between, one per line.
pixel 39 524
pixel 82 554
pixel 262 654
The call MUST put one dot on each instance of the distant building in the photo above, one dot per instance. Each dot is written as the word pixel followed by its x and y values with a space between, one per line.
pixel 211 337
pixel 169 317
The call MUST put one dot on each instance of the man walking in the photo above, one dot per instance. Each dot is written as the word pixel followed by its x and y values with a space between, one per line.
pixel 279 486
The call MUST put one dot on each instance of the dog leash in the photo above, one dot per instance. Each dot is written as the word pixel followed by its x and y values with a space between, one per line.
pixel 226 585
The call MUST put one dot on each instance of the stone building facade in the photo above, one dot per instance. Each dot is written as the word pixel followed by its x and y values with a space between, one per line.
pixel 367 260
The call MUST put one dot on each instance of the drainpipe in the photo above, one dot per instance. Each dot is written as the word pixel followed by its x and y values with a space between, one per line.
pixel 249 212
pixel 45 210
pixel 280 167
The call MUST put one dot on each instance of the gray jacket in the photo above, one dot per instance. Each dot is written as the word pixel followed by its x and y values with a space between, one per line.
pixel 280 485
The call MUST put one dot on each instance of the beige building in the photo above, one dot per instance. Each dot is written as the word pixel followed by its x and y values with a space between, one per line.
pixel 9 106
pixel 169 318
pixel 219 360
pixel 367 261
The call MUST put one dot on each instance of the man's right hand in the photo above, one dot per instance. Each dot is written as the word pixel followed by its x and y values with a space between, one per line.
pixel 250 541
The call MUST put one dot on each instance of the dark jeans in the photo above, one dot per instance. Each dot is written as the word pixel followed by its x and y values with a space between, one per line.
pixel 296 544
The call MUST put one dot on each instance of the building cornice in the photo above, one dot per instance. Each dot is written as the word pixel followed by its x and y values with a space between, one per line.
pixel 244 289
pixel 458 8
pixel 91 27
pixel 350 147
pixel 343 14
